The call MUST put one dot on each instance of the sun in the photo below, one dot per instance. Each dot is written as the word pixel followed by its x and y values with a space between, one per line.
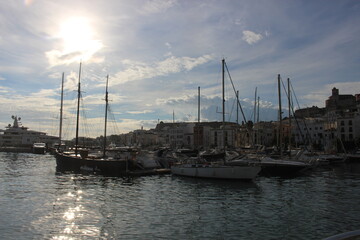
pixel 76 34
pixel 78 38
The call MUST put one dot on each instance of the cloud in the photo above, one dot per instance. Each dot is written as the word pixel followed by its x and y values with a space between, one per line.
pixel 138 70
pixel 2 78
pixel 4 89
pixel 43 93
pixel 140 112
pixel 251 37
pixel 57 57
pixel 156 6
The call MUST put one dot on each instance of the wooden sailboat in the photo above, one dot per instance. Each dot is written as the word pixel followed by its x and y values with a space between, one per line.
pixel 79 160
pixel 217 170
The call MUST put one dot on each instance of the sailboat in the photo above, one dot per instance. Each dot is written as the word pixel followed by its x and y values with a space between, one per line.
pixel 217 170
pixel 80 160
pixel 282 166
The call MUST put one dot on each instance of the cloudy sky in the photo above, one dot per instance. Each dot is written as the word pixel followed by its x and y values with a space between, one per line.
pixel 158 52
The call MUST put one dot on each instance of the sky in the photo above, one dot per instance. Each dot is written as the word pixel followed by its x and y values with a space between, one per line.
pixel 157 54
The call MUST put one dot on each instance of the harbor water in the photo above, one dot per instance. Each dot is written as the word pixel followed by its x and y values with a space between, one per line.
pixel 36 202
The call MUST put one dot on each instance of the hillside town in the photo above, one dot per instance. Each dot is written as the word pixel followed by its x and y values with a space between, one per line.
pixel 332 128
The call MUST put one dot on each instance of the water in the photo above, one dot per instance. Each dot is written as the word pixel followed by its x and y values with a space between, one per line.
pixel 38 203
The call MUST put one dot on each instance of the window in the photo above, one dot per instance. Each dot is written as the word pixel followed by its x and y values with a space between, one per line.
pixel 350 122
pixel 350 129
pixel 342 123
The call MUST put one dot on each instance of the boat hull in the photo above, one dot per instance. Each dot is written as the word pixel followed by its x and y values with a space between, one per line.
pixel 274 167
pixel 108 167
pixel 282 168
pixel 39 150
pixel 216 171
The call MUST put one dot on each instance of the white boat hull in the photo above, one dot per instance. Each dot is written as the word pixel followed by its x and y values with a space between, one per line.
pixel 216 171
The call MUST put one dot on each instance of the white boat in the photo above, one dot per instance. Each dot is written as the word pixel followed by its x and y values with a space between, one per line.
pixel 39 148
pixel 18 138
pixel 218 170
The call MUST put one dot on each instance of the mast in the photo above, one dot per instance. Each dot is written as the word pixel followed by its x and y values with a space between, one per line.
pixel 61 109
pixel 290 107
pixel 255 105
pixel 198 125
pixel 237 107
pixel 258 109
pixel 280 118
pixel 254 135
pixel 198 104
pixel 106 110
pixel 223 105
pixel 77 115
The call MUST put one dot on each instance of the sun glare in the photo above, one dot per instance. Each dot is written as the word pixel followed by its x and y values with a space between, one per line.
pixel 76 33
pixel 78 38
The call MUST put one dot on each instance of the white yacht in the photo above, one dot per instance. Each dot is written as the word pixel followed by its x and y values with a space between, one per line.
pixel 19 139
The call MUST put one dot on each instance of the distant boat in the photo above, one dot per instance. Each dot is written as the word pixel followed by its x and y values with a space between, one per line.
pixel 80 160
pixel 17 138
pixel 217 170
pixel 39 148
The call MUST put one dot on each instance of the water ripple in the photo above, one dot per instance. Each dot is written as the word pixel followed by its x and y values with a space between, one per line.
pixel 38 203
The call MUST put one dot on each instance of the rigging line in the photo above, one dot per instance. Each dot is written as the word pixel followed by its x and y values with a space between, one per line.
pixel 69 128
pixel 292 110
pixel 112 118
pixel 84 124
pixel 296 120
pixel 306 127
pixel 242 112
pixel 232 110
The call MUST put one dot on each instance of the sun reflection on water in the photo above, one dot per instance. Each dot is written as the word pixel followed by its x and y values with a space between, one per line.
pixel 72 215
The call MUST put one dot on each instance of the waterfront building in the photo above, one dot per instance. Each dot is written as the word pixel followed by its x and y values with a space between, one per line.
pixel 348 130
pixel 264 133
pixel 310 132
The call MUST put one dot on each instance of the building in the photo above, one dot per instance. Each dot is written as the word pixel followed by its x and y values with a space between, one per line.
pixel 265 133
pixel 310 132
pixel 340 103
pixel 313 111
